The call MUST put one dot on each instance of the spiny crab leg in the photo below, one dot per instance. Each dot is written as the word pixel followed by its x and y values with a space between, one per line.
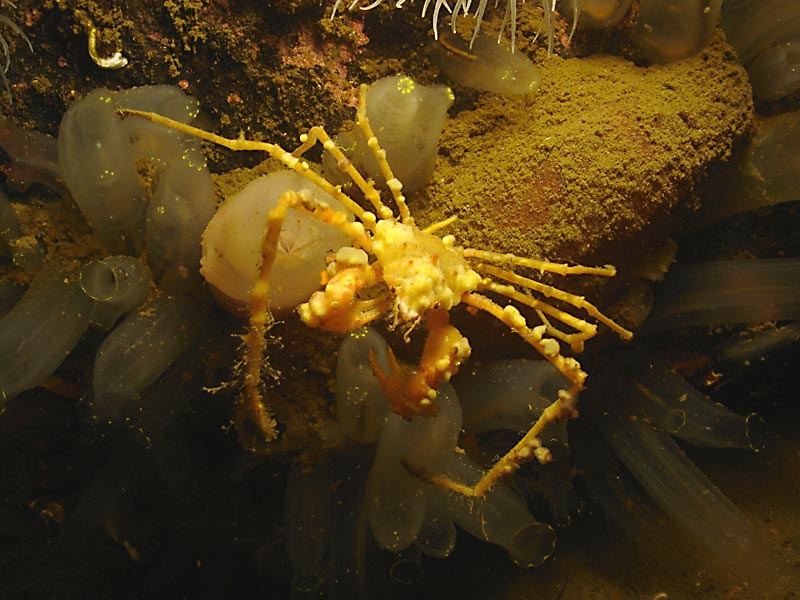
pixel 274 150
pixel 529 446
pixel 393 183
pixel 549 291
pixel 542 266
pixel 318 134
pixel 251 407
pixel 344 164
pixel 444 223
pixel 584 330
pixel 575 340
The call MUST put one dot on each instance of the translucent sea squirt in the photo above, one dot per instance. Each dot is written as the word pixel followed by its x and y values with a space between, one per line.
pixel 232 245
pixel 488 66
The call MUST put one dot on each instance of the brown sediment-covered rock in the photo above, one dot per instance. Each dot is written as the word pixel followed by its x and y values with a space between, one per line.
pixel 599 166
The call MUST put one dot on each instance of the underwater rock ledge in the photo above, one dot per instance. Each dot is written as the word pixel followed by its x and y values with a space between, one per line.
pixel 598 164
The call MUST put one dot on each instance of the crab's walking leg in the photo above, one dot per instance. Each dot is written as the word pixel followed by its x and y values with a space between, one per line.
pixel 393 183
pixel 251 410
pixel 584 330
pixel 563 407
pixel 549 291
pixel 539 265
pixel 287 159
pixel 371 193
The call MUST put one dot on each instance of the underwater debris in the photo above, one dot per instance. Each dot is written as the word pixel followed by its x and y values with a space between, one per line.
pixel 26 253
pixel 113 62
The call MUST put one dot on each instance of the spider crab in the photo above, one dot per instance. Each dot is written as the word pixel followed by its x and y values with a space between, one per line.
pixel 413 274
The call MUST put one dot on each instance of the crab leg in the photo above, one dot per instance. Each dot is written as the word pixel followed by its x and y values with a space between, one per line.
pixel 584 330
pixel 553 292
pixel 575 340
pixel 393 183
pixel 251 407
pixel 563 407
pixel 539 265
pixel 287 159
pixel 318 134
pixel 434 227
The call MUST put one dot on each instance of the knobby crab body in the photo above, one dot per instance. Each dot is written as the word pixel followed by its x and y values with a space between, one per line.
pixel 423 270
pixel 412 274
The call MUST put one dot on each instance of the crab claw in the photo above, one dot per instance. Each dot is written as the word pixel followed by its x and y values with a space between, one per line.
pixel 404 388
pixel 413 392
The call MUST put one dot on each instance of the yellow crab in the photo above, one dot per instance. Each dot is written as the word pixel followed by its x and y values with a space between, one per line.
pixel 414 274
